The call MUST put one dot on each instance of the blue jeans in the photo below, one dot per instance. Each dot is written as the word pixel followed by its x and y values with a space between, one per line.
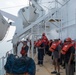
pixel 40 58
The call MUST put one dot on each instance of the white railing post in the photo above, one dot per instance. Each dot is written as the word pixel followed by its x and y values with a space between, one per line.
pixel 2 62
pixel 32 43
pixel 3 65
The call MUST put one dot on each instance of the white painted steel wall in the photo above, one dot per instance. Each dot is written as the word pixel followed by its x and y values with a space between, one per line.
pixel 69 19
pixel 67 26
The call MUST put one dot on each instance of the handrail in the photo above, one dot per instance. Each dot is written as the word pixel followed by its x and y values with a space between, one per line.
pixel 48 16
pixel 2 62
pixel 41 18
pixel 33 24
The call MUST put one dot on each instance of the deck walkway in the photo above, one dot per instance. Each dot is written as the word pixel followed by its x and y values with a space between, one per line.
pixel 47 67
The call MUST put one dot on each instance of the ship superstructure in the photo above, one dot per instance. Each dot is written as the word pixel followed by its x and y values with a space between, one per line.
pixel 55 18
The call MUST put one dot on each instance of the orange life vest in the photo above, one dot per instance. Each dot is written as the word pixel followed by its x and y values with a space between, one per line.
pixel 23 51
pixel 54 46
pixel 66 48
pixel 39 43
pixel 45 40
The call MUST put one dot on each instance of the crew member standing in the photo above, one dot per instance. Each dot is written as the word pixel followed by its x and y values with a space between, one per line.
pixel 41 53
pixel 69 51
pixel 24 49
pixel 55 48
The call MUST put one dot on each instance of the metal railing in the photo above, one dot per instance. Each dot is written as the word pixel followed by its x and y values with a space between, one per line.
pixel 3 61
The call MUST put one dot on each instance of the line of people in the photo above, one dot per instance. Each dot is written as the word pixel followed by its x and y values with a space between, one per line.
pixel 63 53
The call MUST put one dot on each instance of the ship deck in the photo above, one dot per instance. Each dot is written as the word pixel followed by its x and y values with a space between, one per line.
pixel 47 67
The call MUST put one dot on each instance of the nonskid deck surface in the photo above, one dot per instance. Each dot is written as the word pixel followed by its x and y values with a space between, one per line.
pixel 47 67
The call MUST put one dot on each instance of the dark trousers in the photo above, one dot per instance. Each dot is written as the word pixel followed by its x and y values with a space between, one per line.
pixel 40 57
pixel 69 69
pixel 62 60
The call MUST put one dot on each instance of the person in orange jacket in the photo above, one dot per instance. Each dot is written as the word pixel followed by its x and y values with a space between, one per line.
pixel 41 48
pixel 24 48
pixel 56 56
pixel 69 56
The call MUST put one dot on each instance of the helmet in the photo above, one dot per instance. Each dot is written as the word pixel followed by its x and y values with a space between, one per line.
pixel 43 34
pixel 69 39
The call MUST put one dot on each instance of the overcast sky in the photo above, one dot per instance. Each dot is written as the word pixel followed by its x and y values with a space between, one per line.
pixel 12 7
